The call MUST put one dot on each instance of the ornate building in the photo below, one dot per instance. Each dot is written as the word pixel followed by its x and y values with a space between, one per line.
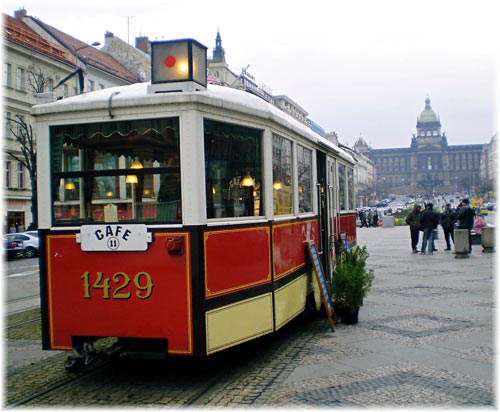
pixel 429 165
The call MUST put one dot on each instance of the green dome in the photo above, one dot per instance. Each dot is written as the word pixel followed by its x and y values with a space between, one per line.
pixel 428 115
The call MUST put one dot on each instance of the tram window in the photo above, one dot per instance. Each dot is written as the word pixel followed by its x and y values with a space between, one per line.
pixel 342 187
pixel 233 170
pixel 304 166
pixel 350 182
pixel 282 175
pixel 131 165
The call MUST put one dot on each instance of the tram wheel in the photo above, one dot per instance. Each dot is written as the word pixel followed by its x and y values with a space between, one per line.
pixel 73 364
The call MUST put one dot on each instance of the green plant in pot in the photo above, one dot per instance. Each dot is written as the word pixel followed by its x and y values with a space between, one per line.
pixel 351 282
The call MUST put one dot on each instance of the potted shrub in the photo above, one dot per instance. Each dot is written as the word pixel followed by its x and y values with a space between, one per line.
pixel 351 282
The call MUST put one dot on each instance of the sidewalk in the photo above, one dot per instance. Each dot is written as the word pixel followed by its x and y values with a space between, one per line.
pixel 424 339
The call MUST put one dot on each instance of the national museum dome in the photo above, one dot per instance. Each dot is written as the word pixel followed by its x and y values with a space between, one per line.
pixel 428 115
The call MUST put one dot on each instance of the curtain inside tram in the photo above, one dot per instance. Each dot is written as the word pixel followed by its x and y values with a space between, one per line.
pixel 130 167
pixel 233 170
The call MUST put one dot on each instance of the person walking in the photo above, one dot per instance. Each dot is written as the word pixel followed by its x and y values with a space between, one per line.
pixel 447 221
pixel 362 217
pixel 429 221
pixel 413 220
pixel 466 219
pixel 370 217
pixel 375 219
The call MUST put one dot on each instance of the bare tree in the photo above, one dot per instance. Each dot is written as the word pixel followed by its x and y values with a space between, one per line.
pixel 26 155
pixel 38 79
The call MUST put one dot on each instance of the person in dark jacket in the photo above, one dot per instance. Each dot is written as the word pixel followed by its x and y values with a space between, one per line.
pixel 466 219
pixel 413 220
pixel 447 221
pixel 429 221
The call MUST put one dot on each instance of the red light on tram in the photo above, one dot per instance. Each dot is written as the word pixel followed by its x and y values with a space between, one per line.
pixel 170 61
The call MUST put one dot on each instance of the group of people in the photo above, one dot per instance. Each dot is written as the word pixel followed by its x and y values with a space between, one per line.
pixel 371 220
pixel 427 221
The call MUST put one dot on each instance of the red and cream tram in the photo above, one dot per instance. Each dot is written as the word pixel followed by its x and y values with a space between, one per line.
pixel 174 216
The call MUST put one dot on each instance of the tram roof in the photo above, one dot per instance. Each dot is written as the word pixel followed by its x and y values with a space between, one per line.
pixel 218 96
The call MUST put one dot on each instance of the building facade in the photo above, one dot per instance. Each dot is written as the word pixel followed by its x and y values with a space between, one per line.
pixel 429 166
pixel 364 172
pixel 37 58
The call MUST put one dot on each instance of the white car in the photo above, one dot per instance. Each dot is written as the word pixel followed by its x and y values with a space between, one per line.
pixel 30 241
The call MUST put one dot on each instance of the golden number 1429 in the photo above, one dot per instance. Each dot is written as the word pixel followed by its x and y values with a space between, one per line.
pixel 112 287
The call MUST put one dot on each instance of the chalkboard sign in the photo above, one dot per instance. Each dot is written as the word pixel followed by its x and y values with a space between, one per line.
pixel 346 244
pixel 320 278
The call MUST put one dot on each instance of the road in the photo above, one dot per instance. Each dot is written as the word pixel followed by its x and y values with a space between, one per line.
pixel 23 286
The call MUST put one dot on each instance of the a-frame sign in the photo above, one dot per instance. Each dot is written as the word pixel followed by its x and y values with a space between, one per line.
pixel 320 278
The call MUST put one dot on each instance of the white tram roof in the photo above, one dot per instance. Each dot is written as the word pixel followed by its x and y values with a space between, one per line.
pixel 218 96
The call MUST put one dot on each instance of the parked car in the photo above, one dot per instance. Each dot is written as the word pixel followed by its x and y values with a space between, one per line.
pixel 12 247
pixel 30 241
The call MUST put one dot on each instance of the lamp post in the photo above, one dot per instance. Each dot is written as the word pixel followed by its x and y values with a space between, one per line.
pixel 78 70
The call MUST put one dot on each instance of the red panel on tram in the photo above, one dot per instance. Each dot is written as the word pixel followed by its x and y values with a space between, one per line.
pixel 120 294
pixel 348 226
pixel 236 259
pixel 288 245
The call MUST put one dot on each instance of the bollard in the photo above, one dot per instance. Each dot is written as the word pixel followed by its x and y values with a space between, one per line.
pixel 461 243
pixel 488 239
pixel 387 221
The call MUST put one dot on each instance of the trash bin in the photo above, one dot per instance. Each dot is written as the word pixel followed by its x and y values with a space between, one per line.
pixel 387 221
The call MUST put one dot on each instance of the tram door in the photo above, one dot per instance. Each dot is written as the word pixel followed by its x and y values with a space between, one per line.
pixel 331 211
pixel 327 198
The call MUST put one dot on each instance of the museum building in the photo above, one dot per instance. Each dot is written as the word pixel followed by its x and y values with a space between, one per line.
pixel 429 165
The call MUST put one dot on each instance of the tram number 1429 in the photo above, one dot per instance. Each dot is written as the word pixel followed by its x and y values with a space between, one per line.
pixel 142 282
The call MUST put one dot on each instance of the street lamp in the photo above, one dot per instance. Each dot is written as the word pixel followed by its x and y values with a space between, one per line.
pixel 96 43
pixel 78 70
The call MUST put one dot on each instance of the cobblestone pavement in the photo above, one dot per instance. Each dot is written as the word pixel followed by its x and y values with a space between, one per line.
pixel 424 339
pixel 425 335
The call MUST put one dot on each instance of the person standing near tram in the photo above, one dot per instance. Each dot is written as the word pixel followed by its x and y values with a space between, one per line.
pixel 413 220
pixel 466 219
pixel 429 221
pixel 447 220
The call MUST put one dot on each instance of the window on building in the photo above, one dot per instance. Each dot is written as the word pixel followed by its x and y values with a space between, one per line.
pixel 428 133
pixel 101 86
pixel 304 171
pixel 7 173
pixel 20 176
pixel 342 186
pixel 65 90
pixel 282 175
pixel 7 75
pixel 19 126
pixel 20 83
pixel 422 133
pixel 6 125
pixel 116 171
pixel 50 85
pixel 435 133
pixel 75 91
pixel 91 85
pixel 233 170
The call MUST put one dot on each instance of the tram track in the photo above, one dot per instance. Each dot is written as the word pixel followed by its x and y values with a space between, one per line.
pixel 70 379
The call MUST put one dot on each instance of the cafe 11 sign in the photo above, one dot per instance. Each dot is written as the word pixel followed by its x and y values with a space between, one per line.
pixel 114 238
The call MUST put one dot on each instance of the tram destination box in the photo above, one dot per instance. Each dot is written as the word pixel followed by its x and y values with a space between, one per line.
pixel 114 238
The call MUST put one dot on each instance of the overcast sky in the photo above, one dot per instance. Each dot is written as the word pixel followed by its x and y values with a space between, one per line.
pixel 359 67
